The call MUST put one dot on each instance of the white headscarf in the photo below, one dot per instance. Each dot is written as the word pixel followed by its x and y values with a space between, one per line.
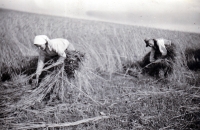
pixel 40 40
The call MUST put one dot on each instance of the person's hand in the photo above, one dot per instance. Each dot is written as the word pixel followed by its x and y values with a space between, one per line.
pixel 35 81
pixel 61 60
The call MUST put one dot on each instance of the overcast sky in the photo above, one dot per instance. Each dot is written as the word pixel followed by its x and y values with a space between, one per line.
pixel 183 15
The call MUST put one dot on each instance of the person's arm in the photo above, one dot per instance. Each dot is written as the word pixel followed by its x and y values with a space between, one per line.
pixel 152 59
pixel 61 59
pixel 40 65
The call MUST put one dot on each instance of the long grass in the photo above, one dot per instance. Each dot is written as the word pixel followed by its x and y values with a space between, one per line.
pixel 100 85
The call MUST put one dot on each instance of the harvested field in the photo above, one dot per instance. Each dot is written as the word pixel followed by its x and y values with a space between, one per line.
pixel 101 95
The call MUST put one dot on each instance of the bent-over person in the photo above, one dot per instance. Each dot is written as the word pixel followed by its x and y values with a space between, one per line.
pixel 157 46
pixel 51 48
pixel 160 59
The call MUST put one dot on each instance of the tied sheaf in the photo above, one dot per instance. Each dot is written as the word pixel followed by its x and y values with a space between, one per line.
pixel 72 62
pixel 193 58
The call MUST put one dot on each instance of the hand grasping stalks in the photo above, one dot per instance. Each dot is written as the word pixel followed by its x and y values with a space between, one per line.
pixel 71 64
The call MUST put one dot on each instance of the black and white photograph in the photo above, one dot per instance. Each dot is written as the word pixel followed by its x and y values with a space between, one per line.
pixel 100 64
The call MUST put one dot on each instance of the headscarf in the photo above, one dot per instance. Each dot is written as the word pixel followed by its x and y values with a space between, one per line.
pixel 149 42
pixel 40 40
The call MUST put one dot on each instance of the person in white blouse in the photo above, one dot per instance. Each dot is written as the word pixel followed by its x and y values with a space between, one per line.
pixel 157 45
pixel 50 48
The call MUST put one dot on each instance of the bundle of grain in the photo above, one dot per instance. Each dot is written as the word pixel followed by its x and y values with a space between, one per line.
pixel 73 62
pixel 192 58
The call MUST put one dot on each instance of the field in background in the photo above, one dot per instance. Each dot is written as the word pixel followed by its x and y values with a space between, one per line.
pixel 101 86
